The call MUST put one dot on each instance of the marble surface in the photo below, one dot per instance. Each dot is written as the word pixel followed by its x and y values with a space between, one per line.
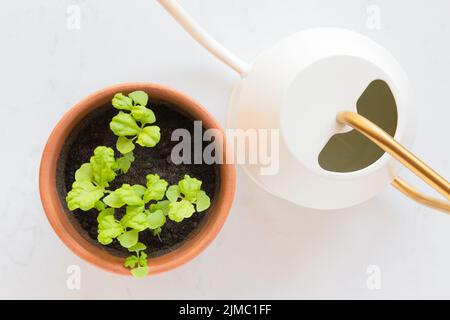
pixel 268 248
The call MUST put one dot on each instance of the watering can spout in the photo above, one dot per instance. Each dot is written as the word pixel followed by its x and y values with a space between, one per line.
pixel 409 160
pixel 203 38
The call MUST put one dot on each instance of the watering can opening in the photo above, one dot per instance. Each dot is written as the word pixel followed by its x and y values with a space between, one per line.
pixel 321 89
pixel 352 151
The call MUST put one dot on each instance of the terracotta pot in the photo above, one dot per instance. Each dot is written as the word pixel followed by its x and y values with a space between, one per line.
pixel 93 252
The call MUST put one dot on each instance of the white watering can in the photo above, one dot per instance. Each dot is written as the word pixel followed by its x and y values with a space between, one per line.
pixel 311 86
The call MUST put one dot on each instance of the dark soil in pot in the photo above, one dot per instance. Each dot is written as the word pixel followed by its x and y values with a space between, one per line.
pixel 94 131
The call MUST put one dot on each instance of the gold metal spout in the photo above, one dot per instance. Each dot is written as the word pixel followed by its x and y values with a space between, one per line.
pixel 409 160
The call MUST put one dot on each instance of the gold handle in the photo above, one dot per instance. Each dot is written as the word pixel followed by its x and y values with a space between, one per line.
pixel 409 160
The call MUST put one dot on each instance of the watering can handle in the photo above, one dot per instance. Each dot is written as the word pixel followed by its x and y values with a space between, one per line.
pixel 409 160
pixel 203 38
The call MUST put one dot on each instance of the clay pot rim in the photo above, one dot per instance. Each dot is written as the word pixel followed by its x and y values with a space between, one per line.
pixel 94 253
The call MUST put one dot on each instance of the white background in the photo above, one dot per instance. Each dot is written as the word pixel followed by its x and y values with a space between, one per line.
pixel 268 248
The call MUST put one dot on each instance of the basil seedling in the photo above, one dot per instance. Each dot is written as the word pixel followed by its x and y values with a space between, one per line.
pixel 146 208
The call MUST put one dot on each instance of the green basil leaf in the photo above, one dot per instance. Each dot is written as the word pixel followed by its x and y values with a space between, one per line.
pixel 173 193
pixel 140 272
pixel 139 97
pixel 143 115
pixel 149 136
pixel 189 187
pixel 129 156
pixel 137 247
pixel 113 200
pixel 128 195
pixel 102 166
pixel 128 238
pixel 104 213
pixel 143 259
pixel 123 124
pixel 123 164
pixel 124 145
pixel 139 189
pixel 122 102
pixel 156 219
pixel 135 218
pixel 203 201
pixel 180 210
pixel 84 195
pixel 161 205
pixel 84 172
pixel 108 229
pixel 100 206
pixel 156 188
pixel 131 262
